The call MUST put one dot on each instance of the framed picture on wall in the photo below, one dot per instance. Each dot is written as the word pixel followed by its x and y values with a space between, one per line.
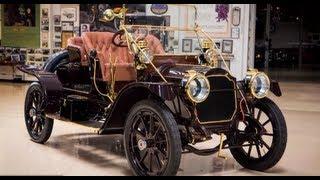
pixel 57 44
pixel 57 19
pixel 67 26
pixel 44 12
pixel 57 29
pixel 12 17
pixel 68 14
pixel 65 35
pixel 227 46
pixel 15 58
pixel 44 44
pixel 186 45
pixel 85 28
pixel 235 33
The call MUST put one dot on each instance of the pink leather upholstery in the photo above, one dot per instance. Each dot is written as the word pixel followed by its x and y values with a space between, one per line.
pixel 99 41
pixel 102 43
pixel 154 45
pixel 78 43
pixel 125 70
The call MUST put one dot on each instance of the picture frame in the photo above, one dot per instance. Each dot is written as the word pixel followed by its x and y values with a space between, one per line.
pixel 67 26
pixel 186 45
pixel 15 58
pixel 45 28
pixel 227 46
pixel 57 44
pixel 44 44
pixel 235 33
pixel 44 12
pixel 57 29
pixel 65 35
pixel 68 14
pixel 236 16
pixel 57 20
pixel 45 21
pixel 84 28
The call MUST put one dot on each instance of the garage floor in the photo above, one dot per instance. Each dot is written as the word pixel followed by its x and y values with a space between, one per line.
pixel 76 150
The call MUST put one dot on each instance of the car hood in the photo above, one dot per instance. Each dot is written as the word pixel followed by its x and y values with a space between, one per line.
pixel 176 72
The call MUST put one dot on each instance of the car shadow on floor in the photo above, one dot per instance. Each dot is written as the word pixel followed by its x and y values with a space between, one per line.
pixel 105 151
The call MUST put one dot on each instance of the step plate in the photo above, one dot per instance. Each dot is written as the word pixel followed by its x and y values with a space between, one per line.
pixel 94 126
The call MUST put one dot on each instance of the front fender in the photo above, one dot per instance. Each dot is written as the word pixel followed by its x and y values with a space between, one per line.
pixel 130 95
pixel 275 88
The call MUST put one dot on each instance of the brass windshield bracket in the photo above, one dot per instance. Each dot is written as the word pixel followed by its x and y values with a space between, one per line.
pixel 112 94
pixel 220 155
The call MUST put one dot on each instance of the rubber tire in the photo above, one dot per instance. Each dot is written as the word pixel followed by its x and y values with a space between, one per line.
pixel 47 130
pixel 170 126
pixel 280 141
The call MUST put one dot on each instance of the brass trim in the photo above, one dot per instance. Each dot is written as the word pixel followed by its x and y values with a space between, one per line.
pixel 235 101
pixel 110 14
pixel 112 94
pixel 206 44
pixel 142 44
pixel 163 28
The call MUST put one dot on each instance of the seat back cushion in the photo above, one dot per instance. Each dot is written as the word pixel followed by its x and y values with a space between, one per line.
pixel 154 44
pixel 100 41
pixel 125 69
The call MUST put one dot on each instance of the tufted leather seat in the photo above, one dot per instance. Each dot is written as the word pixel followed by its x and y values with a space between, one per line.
pixel 102 43
pixel 99 41
pixel 154 44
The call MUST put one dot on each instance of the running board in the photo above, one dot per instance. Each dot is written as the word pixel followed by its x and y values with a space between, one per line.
pixel 75 90
pixel 94 126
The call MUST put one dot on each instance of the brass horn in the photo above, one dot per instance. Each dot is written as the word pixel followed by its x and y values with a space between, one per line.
pixel 110 14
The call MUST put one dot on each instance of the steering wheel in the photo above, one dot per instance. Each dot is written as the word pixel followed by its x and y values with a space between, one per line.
pixel 118 39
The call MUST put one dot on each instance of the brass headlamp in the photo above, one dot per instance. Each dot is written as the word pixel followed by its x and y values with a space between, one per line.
pixel 197 86
pixel 258 83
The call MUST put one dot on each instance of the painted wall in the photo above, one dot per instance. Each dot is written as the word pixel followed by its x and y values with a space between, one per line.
pixel 238 65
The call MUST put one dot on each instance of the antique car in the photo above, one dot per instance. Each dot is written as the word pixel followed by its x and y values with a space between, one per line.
pixel 163 103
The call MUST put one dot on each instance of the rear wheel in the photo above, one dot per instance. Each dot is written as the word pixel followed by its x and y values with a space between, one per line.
pixel 38 125
pixel 152 140
pixel 263 138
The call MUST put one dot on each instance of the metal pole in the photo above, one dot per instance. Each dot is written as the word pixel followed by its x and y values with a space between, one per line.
pixel 267 37
pixel 252 34
pixel 300 41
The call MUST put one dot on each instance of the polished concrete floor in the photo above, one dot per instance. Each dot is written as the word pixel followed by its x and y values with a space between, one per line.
pixel 76 150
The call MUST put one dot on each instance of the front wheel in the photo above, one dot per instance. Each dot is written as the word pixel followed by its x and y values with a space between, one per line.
pixel 152 140
pixel 263 138
pixel 38 125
